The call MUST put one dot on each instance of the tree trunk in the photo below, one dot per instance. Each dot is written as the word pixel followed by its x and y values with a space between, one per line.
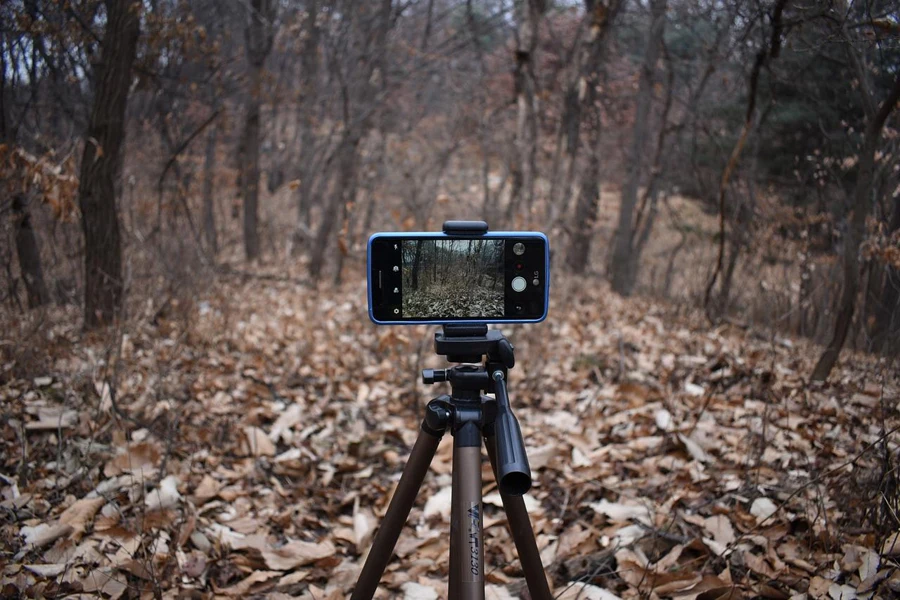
pixel 862 203
pixel 259 35
pixel 734 253
pixel 415 267
pixel 309 63
pixel 101 162
pixel 358 94
pixel 585 89
pixel 250 168
pixel 209 214
pixel 585 213
pixel 580 99
pixel 888 311
pixel 29 254
pixel 345 189
pixel 763 58
pixel 524 164
pixel 624 266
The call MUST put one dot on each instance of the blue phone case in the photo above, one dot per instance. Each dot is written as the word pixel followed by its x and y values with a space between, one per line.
pixel 440 236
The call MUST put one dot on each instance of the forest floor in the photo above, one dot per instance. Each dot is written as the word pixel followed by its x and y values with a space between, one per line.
pixel 246 442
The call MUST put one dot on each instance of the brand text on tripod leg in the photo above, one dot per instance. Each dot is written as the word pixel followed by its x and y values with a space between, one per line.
pixel 474 513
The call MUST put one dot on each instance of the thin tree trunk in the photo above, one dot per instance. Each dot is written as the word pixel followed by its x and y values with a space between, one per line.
pixel 250 167
pixel 862 203
pixel 29 254
pixel 310 65
pixel 415 268
pixel 624 266
pixel 523 165
pixel 888 312
pixel 763 57
pixel 371 196
pixel 101 162
pixel 344 189
pixel 734 253
pixel 259 36
pixel 649 208
pixel 209 214
pixel 585 212
pixel 670 266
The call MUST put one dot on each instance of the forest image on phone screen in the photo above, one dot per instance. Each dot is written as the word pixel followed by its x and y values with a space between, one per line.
pixel 453 278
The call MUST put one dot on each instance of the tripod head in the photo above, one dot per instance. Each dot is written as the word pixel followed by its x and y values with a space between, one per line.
pixel 471 344
pixel 477 344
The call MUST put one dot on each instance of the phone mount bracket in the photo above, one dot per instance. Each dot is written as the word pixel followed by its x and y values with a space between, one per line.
pixel 465 227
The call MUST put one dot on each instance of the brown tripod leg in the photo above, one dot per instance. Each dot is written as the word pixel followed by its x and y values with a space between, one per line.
pixel 398 511
pixel 466 521
pixel 523 535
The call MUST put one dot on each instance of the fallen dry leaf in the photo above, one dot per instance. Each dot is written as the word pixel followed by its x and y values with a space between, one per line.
pixel 79 514
pixel 255 583
pixel 257 443
pixel 43 534
pixel 297 554
pixel 105 581
pixel 585 591
pixel 164 497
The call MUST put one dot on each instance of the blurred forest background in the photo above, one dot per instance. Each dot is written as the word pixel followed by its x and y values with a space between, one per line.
pixel 742 155
pixel 186 190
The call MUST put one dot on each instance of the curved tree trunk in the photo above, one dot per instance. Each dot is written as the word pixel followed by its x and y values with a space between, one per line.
pixel 101 162
pixel 888 311
pixel 862 203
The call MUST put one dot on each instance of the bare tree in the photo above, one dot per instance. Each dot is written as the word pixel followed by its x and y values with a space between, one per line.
pixel 764 56
pixel 623 268
pixel 887 313
pixel 862 203
pixel 309 65
pixel 259 35
pixel 359 76
pixel 582 101
pixel 524 165
pixel 101 161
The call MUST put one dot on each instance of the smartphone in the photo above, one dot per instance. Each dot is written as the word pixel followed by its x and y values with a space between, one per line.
pixel 495 277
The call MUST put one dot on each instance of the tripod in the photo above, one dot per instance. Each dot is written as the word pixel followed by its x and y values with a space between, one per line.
pixel 470 417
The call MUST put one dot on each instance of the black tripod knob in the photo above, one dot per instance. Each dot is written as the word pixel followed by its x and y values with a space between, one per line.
pixel 430 376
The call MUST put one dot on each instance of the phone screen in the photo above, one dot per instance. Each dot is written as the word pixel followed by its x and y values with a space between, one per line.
pixel 422 278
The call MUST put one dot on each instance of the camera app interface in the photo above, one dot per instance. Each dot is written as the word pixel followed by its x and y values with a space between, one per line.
pixel 453 278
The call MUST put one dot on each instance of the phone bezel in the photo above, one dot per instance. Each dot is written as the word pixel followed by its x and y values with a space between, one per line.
pixel 437 235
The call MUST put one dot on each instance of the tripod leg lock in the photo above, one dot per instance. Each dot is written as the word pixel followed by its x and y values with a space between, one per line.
pixel 438 414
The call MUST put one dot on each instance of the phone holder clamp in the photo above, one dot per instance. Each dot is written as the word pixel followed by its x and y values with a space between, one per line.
pixel 465 227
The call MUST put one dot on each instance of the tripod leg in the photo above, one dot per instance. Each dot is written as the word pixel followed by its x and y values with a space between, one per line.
pixel 383 546
pixel 523 536
pixel 466 522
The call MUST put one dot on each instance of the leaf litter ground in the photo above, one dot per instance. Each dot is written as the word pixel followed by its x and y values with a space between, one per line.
pixel 248 443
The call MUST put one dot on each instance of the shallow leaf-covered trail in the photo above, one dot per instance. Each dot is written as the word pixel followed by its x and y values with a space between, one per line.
pixel 248 443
